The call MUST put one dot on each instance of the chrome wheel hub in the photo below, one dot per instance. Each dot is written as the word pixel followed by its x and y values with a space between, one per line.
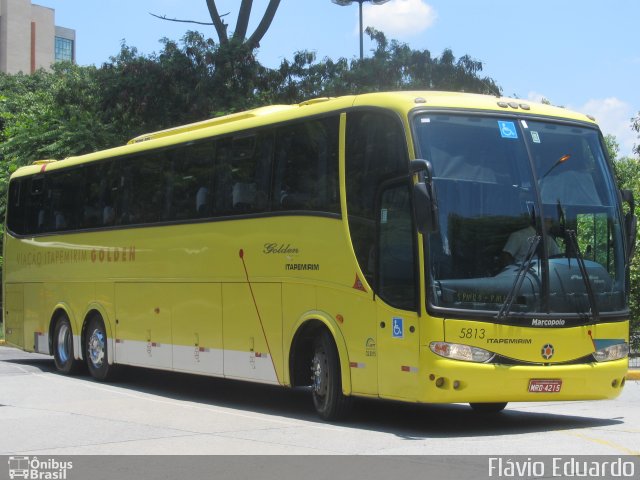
pixel 96 348
pixel 318 374
pixel 64 343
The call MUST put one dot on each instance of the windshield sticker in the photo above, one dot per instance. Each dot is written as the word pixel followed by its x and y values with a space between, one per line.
pixel 425 120
pixel 507 129
pixel 535 136
pixel 524 124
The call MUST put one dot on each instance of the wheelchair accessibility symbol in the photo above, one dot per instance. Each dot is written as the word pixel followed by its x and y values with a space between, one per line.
pixel 507 129
pixel 397 328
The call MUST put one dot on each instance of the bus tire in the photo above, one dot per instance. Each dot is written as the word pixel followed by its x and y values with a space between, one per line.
pixel 95 349
pixel 488 407
pixel 63 355
pixel 326 381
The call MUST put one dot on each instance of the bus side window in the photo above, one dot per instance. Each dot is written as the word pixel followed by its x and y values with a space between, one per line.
pixel 65 195
pixel 189 181
pixel 375 151
pixel 222 198
pixel 243 173
pixel 143 191
pixel 306 167
pixel 34 205
pixel 17 212
pixel 100 196
pixel 396 248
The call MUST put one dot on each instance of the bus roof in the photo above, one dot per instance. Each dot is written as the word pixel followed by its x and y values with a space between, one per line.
pixel 212 122
pixel 401 102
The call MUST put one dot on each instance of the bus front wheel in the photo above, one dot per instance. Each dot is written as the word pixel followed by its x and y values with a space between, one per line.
pixel 326 381
pixel 63 355
pixel 96 350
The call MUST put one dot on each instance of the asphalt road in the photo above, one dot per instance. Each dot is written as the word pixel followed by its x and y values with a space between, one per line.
pixel 150 412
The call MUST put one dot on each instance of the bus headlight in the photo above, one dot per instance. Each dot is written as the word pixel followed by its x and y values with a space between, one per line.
pixel 457 351
pixel 612 352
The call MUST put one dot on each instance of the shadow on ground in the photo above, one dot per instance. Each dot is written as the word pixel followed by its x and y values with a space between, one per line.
pixel 410 421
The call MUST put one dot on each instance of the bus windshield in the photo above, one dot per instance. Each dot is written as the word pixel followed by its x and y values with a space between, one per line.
pixel 529 223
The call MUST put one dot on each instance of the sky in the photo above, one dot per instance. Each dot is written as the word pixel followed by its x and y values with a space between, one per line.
pixel 580 54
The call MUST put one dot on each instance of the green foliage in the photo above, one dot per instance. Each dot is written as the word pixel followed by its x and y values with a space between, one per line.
pixel 393 66
pixel 148 93
pixel 612 146
pixel 51 115
pixel 635 124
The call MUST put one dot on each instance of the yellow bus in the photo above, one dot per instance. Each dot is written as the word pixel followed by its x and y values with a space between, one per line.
pixel 415 246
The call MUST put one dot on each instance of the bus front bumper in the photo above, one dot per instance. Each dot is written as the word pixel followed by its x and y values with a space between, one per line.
pixel 452 381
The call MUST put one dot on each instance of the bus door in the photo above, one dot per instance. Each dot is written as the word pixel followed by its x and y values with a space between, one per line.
pixel 397 293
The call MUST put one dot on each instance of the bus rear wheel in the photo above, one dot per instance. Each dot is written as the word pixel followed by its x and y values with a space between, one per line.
pixel 326 381
pixel 488 407
pixel 95 349
pixel 63 355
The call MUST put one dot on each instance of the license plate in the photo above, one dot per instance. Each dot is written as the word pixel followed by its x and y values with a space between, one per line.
pixel 544 386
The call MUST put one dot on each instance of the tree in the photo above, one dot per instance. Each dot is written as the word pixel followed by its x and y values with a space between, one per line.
pixel 240 33
pixel 51 115
pixel 393 66
pixel 612 146
pixel 152 92
pixel 635 124
pixel 239 37
pixel 235 62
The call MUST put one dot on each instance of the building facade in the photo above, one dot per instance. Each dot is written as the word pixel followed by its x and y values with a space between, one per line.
pixel 30 39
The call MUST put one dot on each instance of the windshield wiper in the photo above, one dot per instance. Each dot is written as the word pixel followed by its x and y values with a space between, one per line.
pixel 520 276
pixel 572 238
pixel 572 241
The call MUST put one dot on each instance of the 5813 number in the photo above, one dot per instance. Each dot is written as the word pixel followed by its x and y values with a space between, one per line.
pixel 478 333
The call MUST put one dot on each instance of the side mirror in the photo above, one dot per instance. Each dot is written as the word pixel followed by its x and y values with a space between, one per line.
pixel 630 223
pixel 425 204
pixel 627 197
pixel 422 168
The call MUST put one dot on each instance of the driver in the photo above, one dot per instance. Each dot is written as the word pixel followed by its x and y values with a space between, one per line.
pixel 517 246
